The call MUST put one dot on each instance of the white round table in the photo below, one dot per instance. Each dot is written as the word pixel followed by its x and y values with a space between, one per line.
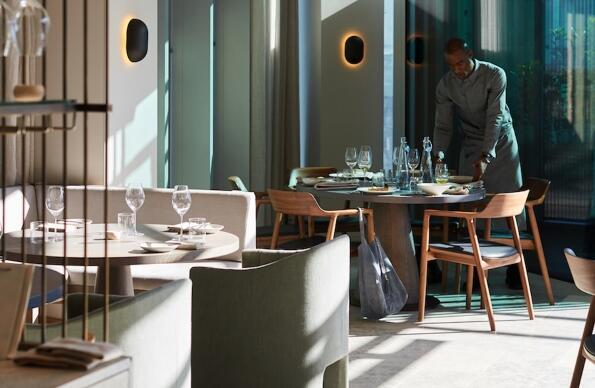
pixel 121 253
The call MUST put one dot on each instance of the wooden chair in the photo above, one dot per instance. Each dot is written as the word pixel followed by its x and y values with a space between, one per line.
pixel 583 273
pixel 261 196
pixel 302 204
pixel 264 234
pixel 481 254
pixel 538 189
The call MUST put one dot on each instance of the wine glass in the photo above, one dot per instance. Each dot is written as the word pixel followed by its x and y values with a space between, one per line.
pixel 441 173
pixel 364 159
pixel 181 202
pixel 135 197
pixel 351 158
pixel 413 162
pixel 54 202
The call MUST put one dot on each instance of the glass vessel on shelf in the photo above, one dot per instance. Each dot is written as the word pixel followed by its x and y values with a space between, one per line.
pixel 31 28
pixel 6 33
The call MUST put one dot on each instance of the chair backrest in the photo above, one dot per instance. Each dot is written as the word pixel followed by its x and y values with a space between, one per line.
pixel 583 271
pixel 236 183
pixel 504 205
pixel 282 324
pixel 538 189
pixel 295 203
pixel 309 172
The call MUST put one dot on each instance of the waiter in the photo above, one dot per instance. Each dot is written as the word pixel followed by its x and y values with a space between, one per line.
pixel 474 92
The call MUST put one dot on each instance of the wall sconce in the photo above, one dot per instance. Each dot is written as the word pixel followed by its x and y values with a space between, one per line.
pixel 137 40
pixel 354 50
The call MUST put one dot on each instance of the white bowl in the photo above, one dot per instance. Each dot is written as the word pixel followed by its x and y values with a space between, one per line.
pixel 433 188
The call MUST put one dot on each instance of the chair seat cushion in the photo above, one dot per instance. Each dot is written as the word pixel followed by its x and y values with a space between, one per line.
pixel 340 220
pixel 590 345
pixel 499 233
pixel 489 250
pixel 285 230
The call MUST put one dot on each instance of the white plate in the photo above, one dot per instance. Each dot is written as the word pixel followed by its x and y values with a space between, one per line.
pixel 370 190
pixel 213 228
pixel 157 247
pixel 356 174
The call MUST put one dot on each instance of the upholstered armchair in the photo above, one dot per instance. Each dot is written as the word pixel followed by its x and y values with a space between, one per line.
pixel 280 321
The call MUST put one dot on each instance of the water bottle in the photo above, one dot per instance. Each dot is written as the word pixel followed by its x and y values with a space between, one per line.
pixel 427 175
pixel 401 167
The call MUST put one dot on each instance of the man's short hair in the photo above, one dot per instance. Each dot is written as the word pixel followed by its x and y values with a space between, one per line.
pixel 454 45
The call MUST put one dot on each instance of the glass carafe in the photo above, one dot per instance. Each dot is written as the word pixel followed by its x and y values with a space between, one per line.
pixel 401 168
pixel 427 175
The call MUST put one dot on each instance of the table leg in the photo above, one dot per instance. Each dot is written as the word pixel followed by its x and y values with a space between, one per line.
pixel 120 280
pixel 393 228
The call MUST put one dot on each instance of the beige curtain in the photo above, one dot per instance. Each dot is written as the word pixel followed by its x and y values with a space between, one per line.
pixel 275 138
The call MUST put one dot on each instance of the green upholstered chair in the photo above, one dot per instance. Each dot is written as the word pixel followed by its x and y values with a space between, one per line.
pixel 281 321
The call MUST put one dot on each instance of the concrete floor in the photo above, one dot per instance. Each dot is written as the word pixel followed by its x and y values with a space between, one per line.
pixel 454 347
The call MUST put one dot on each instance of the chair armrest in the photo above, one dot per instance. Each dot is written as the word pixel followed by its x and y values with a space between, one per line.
pixel 262 195
pixel 449 213
pixel 257 257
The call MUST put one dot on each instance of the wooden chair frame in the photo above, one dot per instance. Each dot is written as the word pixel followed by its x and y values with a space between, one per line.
pixel 583 273
pixel 538 189
pixel 500 206
pixel 262 197
pixel 302 204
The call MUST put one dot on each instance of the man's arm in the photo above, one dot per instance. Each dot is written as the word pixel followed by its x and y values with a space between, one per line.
pixel 444 119
pixel 495 113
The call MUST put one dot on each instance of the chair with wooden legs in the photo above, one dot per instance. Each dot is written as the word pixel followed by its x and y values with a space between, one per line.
pixel 264 234
pixel 475 253
pixel 302 204
pixel 583 273
pixel 538 189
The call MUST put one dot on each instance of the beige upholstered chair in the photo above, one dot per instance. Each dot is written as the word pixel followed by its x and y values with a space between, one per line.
pixel 583 273
pixel 282 321
pixel 153 328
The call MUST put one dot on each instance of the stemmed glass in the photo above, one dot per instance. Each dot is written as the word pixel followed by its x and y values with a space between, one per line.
pixel 413 162
pixel 135 197
pixel 54 202
pixel 351 158
pixel 364 159
pixel 181 202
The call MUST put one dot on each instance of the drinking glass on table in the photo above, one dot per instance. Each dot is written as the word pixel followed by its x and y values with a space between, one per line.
pixel 413 162
pixel 181 202
pixel 135 197
pixel 364 159
pixel 197 227
pixel 351 158
pixel 54 202
pixel 126 222
pixel 441 174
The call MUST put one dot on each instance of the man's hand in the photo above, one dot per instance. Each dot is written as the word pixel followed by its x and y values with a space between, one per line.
pixel 479 168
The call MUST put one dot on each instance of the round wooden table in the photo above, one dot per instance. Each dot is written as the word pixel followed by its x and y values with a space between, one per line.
pixel 392 225
pixel 122 254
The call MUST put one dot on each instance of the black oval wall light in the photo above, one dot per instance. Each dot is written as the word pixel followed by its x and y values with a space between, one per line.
pixel 137 40
pixel 354 50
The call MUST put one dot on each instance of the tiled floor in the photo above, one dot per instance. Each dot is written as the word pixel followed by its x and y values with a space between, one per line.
pixel 455 348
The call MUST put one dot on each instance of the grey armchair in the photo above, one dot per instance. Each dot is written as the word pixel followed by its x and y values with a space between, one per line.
pixel 281 321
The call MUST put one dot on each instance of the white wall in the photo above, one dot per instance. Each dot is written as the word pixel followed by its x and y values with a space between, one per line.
pixel 351 97
pixel 133 92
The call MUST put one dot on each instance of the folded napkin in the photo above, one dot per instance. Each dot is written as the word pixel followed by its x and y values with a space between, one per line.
pixel 70 353
pixel 185 227
pixel 337 185
pixel 460 190
pixel 60 227
pixel 111 235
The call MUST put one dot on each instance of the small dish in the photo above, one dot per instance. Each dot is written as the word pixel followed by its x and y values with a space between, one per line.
pixel 433 188
pixel 376 190
pixel 157 247
pixel 212 228
pixel 461 179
